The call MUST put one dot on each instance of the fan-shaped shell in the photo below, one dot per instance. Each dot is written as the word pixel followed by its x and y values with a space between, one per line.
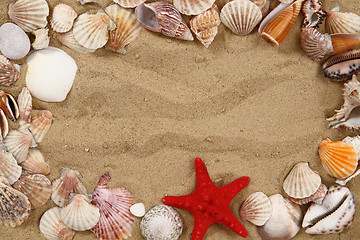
pixel 36 187
pixel 40 123
pixel 9 105
pixel 25 104
pixel 342 66
pixel 115 217
pixel 317 197
pixel 8 72
pixel 69 40
pixel 256 209
pixel 53 228
pixel 4 125
pixel 35 163
pixel 9 167
pixel 79 214
pixel 29 14
pixel 129 3
pixel 313 13
pixel 62 18
pixel 315 44
pixel 18 143
pixel 338 22
pixel 342 42
pixel 241 16
pixel 264 6
pixel 193 7
pixel 302 181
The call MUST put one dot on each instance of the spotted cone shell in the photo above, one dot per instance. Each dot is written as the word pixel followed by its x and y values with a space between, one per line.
pixel 62 18
pixel 53 228
pixel 256 209
pixel 35 163
pixel 40 123
pixel 8 72
pixel 69 40
pixel 25 104
pixel 129 3
pixel 339 22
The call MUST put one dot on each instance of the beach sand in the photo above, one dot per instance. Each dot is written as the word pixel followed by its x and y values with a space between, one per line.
pixel 244 107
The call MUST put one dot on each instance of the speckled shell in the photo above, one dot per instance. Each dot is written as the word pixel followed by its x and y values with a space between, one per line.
pixel 18 143
pixel 29 14
pixel 63 17
pixel 8 72
pixel 53 228
pixel 193 7
pixel 129 3
pixel 315 44
pixel 9 167
pixel 342 42
pixel 338 22
pixel 40 123
pixel 9 106
pixel 69 40
pixel 25 104
pixel 256 209
pixel 4 125
pixel 342 66
pixel 35 163
pixel 313 13
pixel 317 197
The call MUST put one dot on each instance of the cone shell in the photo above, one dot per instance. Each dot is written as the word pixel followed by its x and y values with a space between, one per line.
pixel 8 72
pixel 53 228
pixel 193 7
pixel 302 181
pixel 127 27
pixel 338 22
pixel 4 125
pixel 256 209
pixel 339 159
pixel 317 197
pixel 342 42
pixel 25 104
pixel 40 124
pixel 115 217
pixel 62 18
pixel 129 3
pixel 35 163
pixel 315 44
pixel 9 167
pixel 69 182
pixel 9 106
pixel 241 16
pixel 29 14
pixel 69 40
pixel 18 143
pixel 342 66
pixel 80 215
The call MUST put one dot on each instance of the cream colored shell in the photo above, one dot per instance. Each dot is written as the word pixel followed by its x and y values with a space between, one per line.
pixel 129 3
pixel 53 228
pixel 40 123
pixel 63 17
pixel 193 7
pixel 69 40
pixel 35 163
pixel 256 209
pixel 9 167
pixel 25 104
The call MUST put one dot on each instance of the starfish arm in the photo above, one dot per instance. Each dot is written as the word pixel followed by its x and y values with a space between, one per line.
pixel 233 223
pixel 184 202
pixel 200 228
pixel 202 175
pixel 235 187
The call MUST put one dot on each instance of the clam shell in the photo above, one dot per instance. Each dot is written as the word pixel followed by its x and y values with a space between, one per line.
pixel 35 163
pixel 69 182
pixel 18 143
pixel 317 197
pixel 63 17
pixel 9 167
pixel 338 22
pixel 129 3
pixel 42 39
pixel 241 16
pixel 29 14
pixel 40 123
pixel 4 125
pixel 315 44
pixel 9 106
pixel 193 7
pixel 342 66
pixel 313 13
pixel 342 42
pixel 161 222
pixel 79 214
pixel 256 209
pixel 8 72
pixel 36 187
pixel 25 104
pixel 53 228
pixel 114 205
pixel 302 181
pixel 69 40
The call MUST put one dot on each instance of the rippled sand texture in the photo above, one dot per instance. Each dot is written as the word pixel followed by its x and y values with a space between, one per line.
pixel 243 106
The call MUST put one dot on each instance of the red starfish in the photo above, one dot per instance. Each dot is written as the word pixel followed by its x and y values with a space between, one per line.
pixel 210 204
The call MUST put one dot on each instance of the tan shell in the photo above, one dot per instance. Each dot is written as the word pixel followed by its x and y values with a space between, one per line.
pixel 315 44
pixel 313 12
pixel 69 40
pixel 53 228
pixel 129 3
pixel 9 167
pixel 42 39
pixel 25 104
pixel 302 181
pixel 8 72
pixel 63 17
pixel 18 143
pixel 317 197
pixel 35 163
pixel 193 7
pixel 256 209
pixel 29 14
pixel 338 22
pixel 40 123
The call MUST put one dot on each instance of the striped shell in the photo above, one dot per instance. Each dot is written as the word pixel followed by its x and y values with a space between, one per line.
pixel 256 209
pixel 9 167
pixel 62 18
pixel 53 228
pixel 42 38
pixel 40 123
pixel 193 7
pixel 4 125
pixel 338 22
pixel 18 143
pixel 69 40
pixel 315 44
pixel 317 197
pixel 25 104
pixel 342 66
pixel 35 163
pixel 129 3
pixel 342 42
pixel 8 72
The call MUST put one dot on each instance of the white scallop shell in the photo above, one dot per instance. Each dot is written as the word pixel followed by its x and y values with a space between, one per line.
pixel 69 40
pixel 256 209
pixel 129 3
pixel 18 143
pixel 62 18
pixel 25 104
pixel 317 197
pixel 35 163
pixel 40 124
pixel 339 22
pixel 9 167
pixel 193 7
pixel 8 72
pixel 53 228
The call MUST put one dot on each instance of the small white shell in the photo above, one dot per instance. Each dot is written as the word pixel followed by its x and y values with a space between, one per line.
pixel 62 18
pixel 9 167
pixel 138 209
pixel 18 143
pixel 256 209
pixel 193 7
pixel 53 228
pixel 69 40
pixel 317 197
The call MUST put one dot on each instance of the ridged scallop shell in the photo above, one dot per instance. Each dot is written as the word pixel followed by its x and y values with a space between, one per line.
pixel 69 40
pixel 313 13
pixel 302 181
pixel 63 17
pixel 9 167
pixel 4 125
pixel 241 16
pixel 40 123
pixel 317 197
pixel 69 182
pixel 8 72
pixel 29 14
pixel 338 22
pixel 256 209
pixel 79 214
pixel 127 28
pixel 91 30
pixel 35 163
pixel 36 187
pixel 129 3
pixel 25 104
pixel 161 222
pixel 14 205
pixel 342 42
pixel 193 7
pixel 342 66
pixel 9 106
pixel 18 143
pixel 53 228
pixel 82 2
pixel 315 44
pixel 205 25
pixel 114 205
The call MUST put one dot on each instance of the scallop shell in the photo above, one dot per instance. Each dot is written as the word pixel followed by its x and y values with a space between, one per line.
pixel 9 106
pixel 205 25
pixel 9 167
pixel 36 187
pixel 264 6
pixel 69 40
pixel 342 66
pixel 8 72
pixel 14 42
pixel 29 14
pixel 69 182
pixel 53 228
pixel 40 124
pixel 35 163
pixel 241 16
pixel 129 3
pixel 82 2
pixel 127 28
pixel 14 205
pixel 256 209
pixel 18 143
pixel 42 39
pixel 79 214
pixel 342 42
pixel 4 125
pixel 114 204
pixel 313 12
pixel 62 18
pixel 193 7
pixel 338 22
pixel 25 104
pixel 161 222
pixel 317 197
pixel 315 44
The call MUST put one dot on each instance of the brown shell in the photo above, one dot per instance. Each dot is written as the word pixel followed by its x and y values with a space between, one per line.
pixel 18 143
pixel 9 106
pixel 344 41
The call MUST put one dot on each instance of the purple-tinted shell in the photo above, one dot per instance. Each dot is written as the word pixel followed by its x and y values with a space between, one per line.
pixel 342 66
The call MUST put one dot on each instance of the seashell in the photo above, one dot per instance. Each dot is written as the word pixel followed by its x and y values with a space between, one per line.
pixel 278 23
pixel 127 28
pixel 42 39
pixel 342 66
pixel 313 13
pixel 69 40
pixel 4 125
pixel 79 214
pixel 25 104
pixel 29 14
pixel 62 18
pixel 193 7
pixel 138 210
pixel 82 2
pixel 40 124
pixel 14 43
pixel 241 16
pixel 14 205
pixel 342 42
pixel 9 167
pixel 315 44
pixel 338 22
pixel 317 197
pixel 9 105
pixel 285 220
pixel 18 143
pixel 8 72
pixel 163 17
pixel 114 205
pixel 205 25
pixel 36 187
pixel 161 222
pixel 129 3
pixel 264 6
pixel 256 209
pixel 53 228
pixel 50 74
pixel 335 214
pixel 68 182
pixel 302 181
pixel 286 1
pixel 91 30
pixel 35 163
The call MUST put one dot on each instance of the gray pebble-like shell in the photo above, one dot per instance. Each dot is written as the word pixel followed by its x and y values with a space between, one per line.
pixel 14 43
